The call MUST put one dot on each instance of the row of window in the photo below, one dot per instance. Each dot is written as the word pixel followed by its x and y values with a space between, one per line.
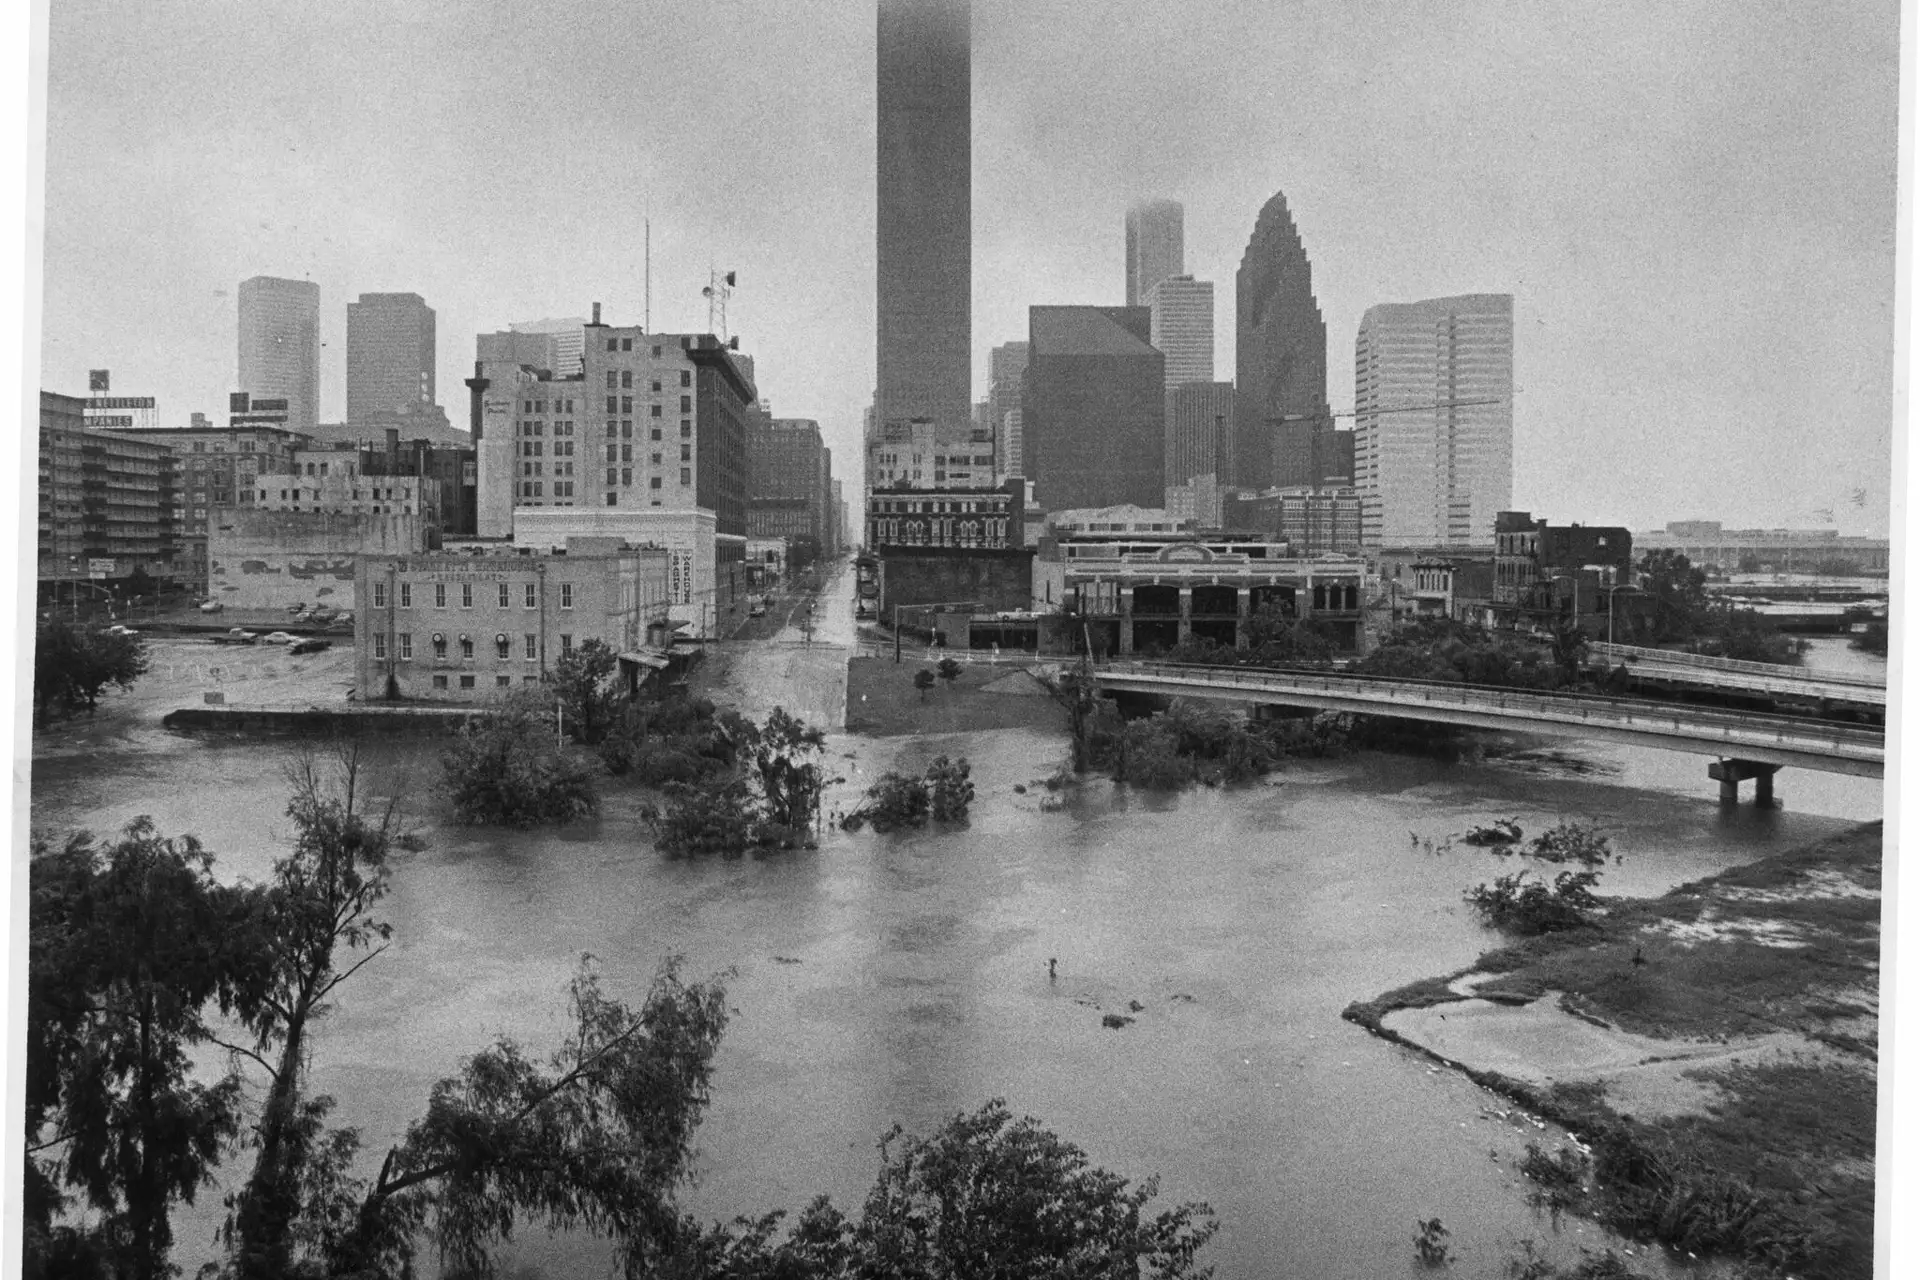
pixel 502 646
pixel 530 595
pixel 540 406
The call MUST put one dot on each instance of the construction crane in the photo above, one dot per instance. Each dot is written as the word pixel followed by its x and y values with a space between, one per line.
pixel 1355 413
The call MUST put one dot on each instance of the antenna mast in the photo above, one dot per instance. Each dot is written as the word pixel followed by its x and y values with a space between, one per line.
pixel 719 289
pixel 646 306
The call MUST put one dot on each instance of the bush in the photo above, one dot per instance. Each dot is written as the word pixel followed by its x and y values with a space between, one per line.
pixel 716 815
pixel 72 667
pixel 1561 1178
pixel 677 739
pixel 1572 842
pixel 506 770
pixel 775 804
pixel 1516 906
pixel 900 800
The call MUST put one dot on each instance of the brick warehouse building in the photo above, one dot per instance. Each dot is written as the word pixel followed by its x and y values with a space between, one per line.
pixel 465 628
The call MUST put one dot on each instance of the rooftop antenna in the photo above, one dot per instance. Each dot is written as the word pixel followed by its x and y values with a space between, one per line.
pixel 719 289
pixel 646 306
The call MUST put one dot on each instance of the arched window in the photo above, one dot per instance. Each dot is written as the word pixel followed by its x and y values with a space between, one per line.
pixel 502 647
pixel 439 645
pixel 466 647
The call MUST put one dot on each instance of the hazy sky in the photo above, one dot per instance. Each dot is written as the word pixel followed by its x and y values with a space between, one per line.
pixel 1693 203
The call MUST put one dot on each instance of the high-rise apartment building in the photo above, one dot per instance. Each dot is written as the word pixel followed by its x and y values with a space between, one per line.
pixel 790 482
pixel 1094 410
pixel 1182 327
pixel 108 502
pixel 280 345
pixel 1433 414
pixel 1006 366
pixel 925 214
pixel 1155 248
pixel 390 355
pixel 1281 348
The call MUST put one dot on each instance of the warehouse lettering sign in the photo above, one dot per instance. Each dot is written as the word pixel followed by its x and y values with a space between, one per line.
pixel 120 402
pixel 469 575
pixel 111 420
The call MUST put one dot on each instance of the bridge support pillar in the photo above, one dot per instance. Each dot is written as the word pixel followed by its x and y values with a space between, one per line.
pixel 1126 619
pixel 1731 773
pixel 1243 600
pixel 1186 614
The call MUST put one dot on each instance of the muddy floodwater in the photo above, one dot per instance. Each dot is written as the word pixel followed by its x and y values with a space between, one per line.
pixel 904 978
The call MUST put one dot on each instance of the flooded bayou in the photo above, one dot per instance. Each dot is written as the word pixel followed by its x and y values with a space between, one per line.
pixel 904 978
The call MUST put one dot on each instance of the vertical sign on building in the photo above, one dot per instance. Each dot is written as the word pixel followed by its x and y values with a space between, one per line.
pixel 99 380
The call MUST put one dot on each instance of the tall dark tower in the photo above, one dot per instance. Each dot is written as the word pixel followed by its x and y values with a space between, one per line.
pixel 925 214
pixel 1280 355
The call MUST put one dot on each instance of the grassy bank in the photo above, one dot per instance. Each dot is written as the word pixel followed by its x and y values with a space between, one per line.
pixel 882 700
pixel 1775 1162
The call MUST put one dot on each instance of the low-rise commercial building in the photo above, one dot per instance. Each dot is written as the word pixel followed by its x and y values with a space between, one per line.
pixel 708 583
pixel 274 559
pixel 1313 520
pixel 950 547
pixel 1145 591
pixel 467 628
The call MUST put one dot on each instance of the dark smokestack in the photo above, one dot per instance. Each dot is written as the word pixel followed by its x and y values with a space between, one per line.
pixel 596 313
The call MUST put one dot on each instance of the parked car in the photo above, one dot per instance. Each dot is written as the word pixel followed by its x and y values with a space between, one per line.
pixel 278 637
pixel 210 606
pixel 322 616
pixel 236 636
pixel 310 646
pixel 121 631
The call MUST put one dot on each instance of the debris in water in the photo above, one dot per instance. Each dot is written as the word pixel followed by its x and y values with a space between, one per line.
pixel 785 960
pixel 1114 1021
pixel 1135 1006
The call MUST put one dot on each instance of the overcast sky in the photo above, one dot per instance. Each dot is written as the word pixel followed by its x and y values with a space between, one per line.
pixel 1693 203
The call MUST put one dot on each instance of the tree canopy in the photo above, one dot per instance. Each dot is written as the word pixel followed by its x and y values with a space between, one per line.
pixel 73 666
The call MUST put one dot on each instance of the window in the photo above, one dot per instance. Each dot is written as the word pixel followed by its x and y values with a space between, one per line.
pixel 379 595
pixel 439 645
pixel 656 384
pixel 406 646
pixel 503 682
pixel 609 429
pixel 626 453
pixel 626 404
pixel 466 595
pixel 439 682
pixel 653 410
pixel 686 475
pixel 654 483
pixel 626 379
pixel 530 680
pixel 406 595
pixel 506 596
pixel 613 344
pixel 613 453
pixel 466 648
pixel 613 380
pixel 613 404
pixel 439 595
pixel 626 475
pixel 656 353
pixel 532 647
pixel 626 430
pixel 613 499
pixel 532 596
pixel 566 643
pixel 686 378
pixel 379 645
pixel 466 682
pixel 656 433
pixel 686 404
pixel 686 429
pixel 626 344
pixel 566 595
pixel 686 453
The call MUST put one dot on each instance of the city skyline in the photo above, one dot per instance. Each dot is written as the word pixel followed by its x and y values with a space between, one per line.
pixel 1620 183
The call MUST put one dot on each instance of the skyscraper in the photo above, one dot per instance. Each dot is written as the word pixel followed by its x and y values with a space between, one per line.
pixel 390 354
pixel 1006 366
pixel 280 345
pixel 1281 347
pixel 1154 247
pixel 569 336
pixel 1182 327
pixel 1437 473
pixel 1199 430
pixel 1094 410
pixel 925 214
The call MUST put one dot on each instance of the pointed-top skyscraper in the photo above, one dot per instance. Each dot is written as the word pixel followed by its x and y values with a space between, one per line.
pixel 1280 353
pixel 925 214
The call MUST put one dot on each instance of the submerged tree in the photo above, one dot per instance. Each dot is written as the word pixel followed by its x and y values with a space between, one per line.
pixel 583 685
pixel 506 769
pixel 73 666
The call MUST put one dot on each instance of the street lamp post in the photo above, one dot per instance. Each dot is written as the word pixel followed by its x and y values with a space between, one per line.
pixel 1622 586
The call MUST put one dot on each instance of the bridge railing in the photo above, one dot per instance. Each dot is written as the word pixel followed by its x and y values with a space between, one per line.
pixel 1636 653
pixel 1783 731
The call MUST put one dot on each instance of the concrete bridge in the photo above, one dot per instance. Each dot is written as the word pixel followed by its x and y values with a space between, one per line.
pixel 1743 745
pixel 1730 675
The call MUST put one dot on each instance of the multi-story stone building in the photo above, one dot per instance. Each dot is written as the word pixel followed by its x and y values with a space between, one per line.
pixel 280 345
pixel 1433 415
pixel 106 501
pixel 1155 248
pixel 1314 521
pixel 1094 410
pixel 975 518
pixel 465 627
pixel 1281 350
pixel 374 495
pixel 1006 367
pixel 1181 311
pixel 1199 431
pixel 390 355
pixel 1544 572
pixel 653 420
pixel 707 578
pixel 791 479
pixel 919 455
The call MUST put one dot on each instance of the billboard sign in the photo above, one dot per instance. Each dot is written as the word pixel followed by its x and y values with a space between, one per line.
pixel 99 569
pixel 98 379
